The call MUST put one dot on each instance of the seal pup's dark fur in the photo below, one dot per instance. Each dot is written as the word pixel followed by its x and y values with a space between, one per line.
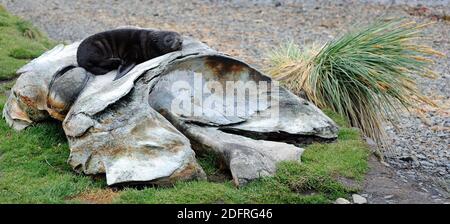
pixel 124 48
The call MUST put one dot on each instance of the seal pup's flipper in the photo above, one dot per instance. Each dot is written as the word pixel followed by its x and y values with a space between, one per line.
pixel 124 69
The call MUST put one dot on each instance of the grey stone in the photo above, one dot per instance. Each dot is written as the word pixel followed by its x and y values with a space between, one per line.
pixel 342 201
pixel 387 197
pixel 426 163
pixel 358 199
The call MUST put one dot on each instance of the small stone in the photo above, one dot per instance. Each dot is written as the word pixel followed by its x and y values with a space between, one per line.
pixel 408 158
pixel 421 157
pixel 358 199
pixel 387 197
pixel 342 201
pixel 426 163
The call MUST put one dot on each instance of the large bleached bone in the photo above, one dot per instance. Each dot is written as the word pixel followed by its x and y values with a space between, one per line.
pixel 249 139
pixel 145 127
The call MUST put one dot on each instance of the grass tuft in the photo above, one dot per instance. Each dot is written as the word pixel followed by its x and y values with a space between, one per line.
pixel 362 75
pixel 28 30
pixel 21 53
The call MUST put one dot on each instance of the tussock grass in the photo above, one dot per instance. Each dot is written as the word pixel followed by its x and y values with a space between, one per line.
pixel 362 75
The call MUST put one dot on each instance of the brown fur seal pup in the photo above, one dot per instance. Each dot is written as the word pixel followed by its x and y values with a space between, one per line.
pixel 123 48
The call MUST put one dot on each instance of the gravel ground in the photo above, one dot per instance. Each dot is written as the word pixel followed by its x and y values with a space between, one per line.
pixel 420 149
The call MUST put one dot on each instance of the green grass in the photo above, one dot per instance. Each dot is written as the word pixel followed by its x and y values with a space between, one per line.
pixel 362 75
pixel 33 166
pixel 19 42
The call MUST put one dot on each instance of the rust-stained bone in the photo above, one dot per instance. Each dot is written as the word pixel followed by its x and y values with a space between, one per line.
pixel 285 117
pixel 250 140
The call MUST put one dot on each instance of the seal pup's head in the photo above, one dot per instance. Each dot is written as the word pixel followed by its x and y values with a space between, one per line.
pixel 168 41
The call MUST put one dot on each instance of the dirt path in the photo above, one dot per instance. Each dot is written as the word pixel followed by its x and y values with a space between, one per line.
pixel 420 154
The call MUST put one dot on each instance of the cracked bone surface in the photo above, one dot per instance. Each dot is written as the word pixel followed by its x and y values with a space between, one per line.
pixel 145 127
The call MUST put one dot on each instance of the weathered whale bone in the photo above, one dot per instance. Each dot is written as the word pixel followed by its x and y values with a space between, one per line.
pixel 131 130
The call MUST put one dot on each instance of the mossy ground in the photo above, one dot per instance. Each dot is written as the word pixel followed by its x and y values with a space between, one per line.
pixel 33 166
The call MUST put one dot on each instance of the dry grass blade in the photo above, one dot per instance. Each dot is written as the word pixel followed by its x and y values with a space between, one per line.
pixel 362 75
